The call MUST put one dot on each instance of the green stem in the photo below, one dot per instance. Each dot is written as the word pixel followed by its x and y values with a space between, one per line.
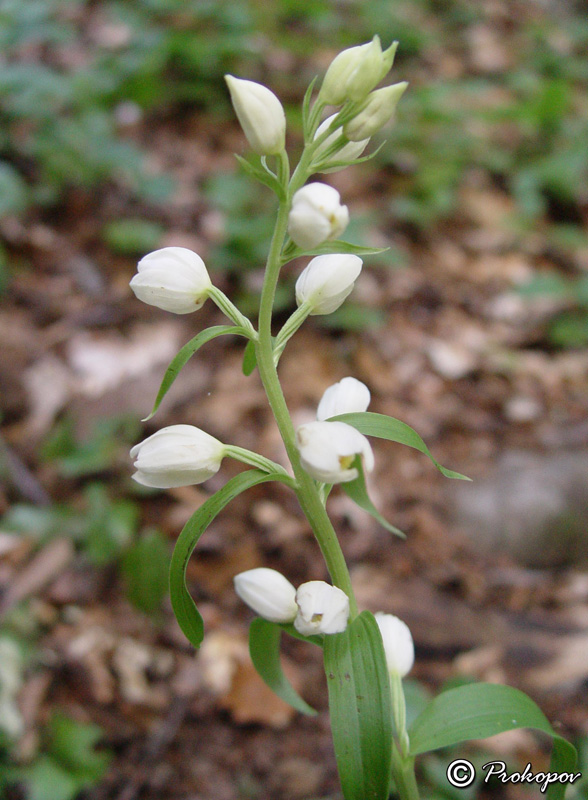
pixel 404 776
pixel 306 491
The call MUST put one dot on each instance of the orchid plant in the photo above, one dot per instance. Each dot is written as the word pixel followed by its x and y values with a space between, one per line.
pixel 366 656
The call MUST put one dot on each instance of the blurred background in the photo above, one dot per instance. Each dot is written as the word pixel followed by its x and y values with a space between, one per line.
pixel 117 138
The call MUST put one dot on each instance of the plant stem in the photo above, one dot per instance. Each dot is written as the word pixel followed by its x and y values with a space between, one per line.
pixel 306 490
pixel 404 777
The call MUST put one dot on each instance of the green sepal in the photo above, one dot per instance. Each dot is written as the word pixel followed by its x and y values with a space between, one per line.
pixel 384 427
pixel 306 110
pixel 262 174
pixel 185 354
pixel 360 708
pixel 331 165
pixel 357 491
pixel 264 647
pixel 188 616
pixel 249 358
pixel 480 710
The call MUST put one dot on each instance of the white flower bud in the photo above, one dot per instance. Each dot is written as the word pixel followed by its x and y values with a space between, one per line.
pixel 260 113
pixel 328 449
pixel 179 455
pixel 349 151
pixel 316 215
pixel 268 593
pixel 321 609
pixel 353 73
pixel 398 644
pixel 377 110
pixel 173 279
pixel 327 281
pixel 345 397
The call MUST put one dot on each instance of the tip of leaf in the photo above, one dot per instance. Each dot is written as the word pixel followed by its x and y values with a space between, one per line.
pixel 148 417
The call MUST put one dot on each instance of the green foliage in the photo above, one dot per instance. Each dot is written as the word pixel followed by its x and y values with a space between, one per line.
pixel 188 616
pixel 360 708
pixel 568 327
pixel 480 710
pixel 69 763
pixel 76 459
pixel 145 566
pixel 132 236
pixel 264 647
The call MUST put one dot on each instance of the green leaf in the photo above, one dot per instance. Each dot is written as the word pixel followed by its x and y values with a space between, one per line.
pixel 45 779
pixel 72 744
pixel 264 646
pixel 249 358
pixel 338 246
pixel 480 710
pixel 306 109
pixel 145 566
pixel 263 175
pixel 187 614
pixel 184 356
pixel 357 491
pixel 360 708
pixel 384 427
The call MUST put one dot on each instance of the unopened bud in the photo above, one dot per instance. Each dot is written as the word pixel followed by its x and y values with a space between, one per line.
pixel 353 73
pixel 328 450
pixel 174 279
pixel 398 644
pixel 377 110
pixel 268 593
pixel 348 152
pixel 321 609
pixel 327 281
pixel 316 215
pixel 345 397
pixel 179 455
pixel 260 113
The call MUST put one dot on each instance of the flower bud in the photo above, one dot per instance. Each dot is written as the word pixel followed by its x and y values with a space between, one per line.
pixel 328 449
pixel 348 152
pixel 345 397
pixel 268 593
pixel 353 73
pixel 173 279
pixel 327 281
pixel 260 113
pixel 377 110
pixel 398 644
pixel 179 455
pixel 321 609
pixel 316 215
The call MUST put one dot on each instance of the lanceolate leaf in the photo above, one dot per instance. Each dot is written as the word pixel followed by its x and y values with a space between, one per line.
pixel 262 174
pixel 360 708
pixel 184 356
pixel 187 614
pixel 339 246
pixel 264 646
pixel 384 427
pixel 249 358
pixel 479 710
pixel 357 491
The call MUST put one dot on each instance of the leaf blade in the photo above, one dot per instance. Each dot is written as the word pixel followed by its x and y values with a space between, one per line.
pixel 480 710
pixel 184 355
pixel 184 607
pixel 383 427
pixel 357 491
pixel 360 707
pixel 264 647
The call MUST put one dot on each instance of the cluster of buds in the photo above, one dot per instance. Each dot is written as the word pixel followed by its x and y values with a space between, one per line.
pixel 328 449
pixel 317 608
